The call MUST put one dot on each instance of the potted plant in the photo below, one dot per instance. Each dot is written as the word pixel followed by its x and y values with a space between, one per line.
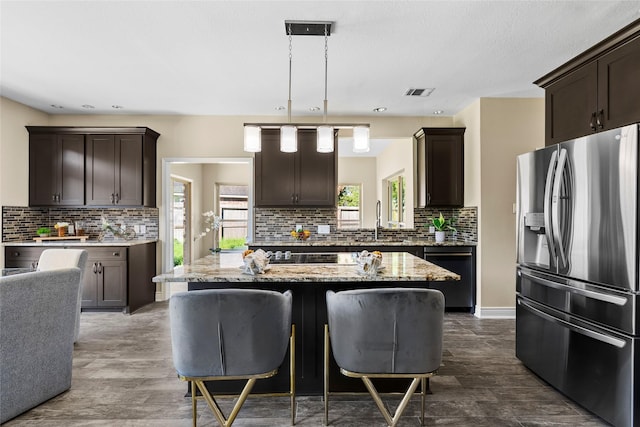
pixel 44 231
pixel 441 225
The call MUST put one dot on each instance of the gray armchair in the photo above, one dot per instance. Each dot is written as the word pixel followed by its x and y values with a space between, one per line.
pixel 385 333
pixel 53 259
pixel 230 334
pixel 37 314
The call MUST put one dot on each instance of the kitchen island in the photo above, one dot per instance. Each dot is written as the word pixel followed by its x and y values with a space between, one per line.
pixel 309 283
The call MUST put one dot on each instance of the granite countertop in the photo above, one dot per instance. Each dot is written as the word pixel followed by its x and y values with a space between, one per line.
pixel 225 267
pixel 88 242
pixel 329 243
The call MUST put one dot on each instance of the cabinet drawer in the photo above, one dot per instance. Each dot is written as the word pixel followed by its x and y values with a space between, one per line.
pixel 21 257
pixel 106 253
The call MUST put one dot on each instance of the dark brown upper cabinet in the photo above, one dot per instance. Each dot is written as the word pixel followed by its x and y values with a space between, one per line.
pixel 303 178
pixel 56 169
pixel 440 166
pixel 100 166
pixel 598 90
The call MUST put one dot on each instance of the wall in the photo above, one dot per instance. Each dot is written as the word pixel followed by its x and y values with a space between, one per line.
pixel 507 128
pixel 393 160
pixel 361 170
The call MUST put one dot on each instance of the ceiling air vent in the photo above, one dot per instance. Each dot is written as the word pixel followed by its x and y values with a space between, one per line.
pixel 419 92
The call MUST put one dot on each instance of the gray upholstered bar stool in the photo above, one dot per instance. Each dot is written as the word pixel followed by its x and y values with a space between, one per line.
pixel 231 334
pixel 385 333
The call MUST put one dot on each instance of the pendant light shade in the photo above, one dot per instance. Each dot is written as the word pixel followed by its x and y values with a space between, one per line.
pixel 252 138
pixel 361 139
pixel 325 139
pixel 288 139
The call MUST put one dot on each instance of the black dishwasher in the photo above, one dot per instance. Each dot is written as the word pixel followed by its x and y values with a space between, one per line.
pixel 458 295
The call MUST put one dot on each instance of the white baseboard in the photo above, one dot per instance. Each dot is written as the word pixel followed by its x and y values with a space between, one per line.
pixel 495 312
pixel 160 296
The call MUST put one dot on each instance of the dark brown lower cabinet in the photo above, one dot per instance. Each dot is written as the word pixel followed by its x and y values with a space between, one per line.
pixel 116 277
pixel 105 280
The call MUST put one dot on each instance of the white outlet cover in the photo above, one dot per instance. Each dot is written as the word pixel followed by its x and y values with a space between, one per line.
pixel 324 229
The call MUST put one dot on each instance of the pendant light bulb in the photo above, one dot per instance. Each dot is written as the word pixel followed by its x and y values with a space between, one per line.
pixel 288 139
pixel 361 139
pixel 325 139
pixel 252 138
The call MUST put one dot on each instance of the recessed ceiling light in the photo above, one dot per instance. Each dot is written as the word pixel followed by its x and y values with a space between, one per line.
pixel 117 107
pixel 56 106
pixel 380 109
pixel 280 108
pixel 314 108
pixel 88 106
pixel 438 112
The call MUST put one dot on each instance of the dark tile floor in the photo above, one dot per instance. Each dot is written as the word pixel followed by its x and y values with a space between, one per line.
pixel 123 375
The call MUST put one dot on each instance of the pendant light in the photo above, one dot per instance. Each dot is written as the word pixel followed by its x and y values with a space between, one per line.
pixel 325 132
pixel 361 139
pixel 289 133
pixel 252 138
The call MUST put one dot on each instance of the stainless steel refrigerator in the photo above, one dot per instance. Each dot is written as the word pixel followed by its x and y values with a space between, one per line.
pixel 577 271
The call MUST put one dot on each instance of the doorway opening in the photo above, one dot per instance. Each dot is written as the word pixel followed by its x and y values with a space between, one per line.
pixel 181 215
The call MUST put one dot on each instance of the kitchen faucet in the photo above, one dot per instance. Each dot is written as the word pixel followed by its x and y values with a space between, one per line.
pixel 378 214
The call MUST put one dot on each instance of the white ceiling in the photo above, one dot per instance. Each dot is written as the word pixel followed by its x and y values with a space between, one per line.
pixel 231 57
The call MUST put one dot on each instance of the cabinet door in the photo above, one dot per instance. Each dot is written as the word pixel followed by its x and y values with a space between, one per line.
pixel 316 172
pixel 43 155
pixel 274 172
pixel 90 285
pixel 619 86
pixel 70 165
pixel 128 169
pixel 112 283
pixel 100 174
pixel 444 169
pixel 571 105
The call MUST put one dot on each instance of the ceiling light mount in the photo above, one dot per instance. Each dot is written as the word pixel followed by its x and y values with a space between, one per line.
pixel 308 28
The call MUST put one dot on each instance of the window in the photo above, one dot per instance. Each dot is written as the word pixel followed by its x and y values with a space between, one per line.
pixel 234 211
pixel 181 206
pixel 349 206
pixel 396 198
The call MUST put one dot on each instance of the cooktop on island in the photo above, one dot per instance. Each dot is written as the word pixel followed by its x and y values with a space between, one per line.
pixel 312 258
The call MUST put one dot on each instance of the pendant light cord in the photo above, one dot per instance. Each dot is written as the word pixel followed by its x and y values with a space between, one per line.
pixel 290 60
pixel 326 61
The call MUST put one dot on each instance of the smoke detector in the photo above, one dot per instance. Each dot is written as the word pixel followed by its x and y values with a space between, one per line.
pixel 419 92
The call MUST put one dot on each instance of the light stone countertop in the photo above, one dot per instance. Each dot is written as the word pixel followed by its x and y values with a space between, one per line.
pixel 225 267
pixel 328 243
pixel 88 242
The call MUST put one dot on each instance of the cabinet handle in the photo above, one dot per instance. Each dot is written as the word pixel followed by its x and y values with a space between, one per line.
pixel 58 196
pixel 95 268
pixel 293 198
pixel 428 198
pixel 592 124
pixel 296 198
pixel 53 197
pixel 112 198
pixel 116 254
pixel 34 265
pixel 16 254
pixel 448 254
pixel 99 268
pixel 117 198
pixel 600 119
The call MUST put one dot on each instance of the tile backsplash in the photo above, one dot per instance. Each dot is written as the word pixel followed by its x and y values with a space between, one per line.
pixel 21 223
pixel 275 224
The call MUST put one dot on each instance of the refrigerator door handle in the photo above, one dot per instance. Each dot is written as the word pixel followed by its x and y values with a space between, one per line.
pixel 555 206
pixel 607 339
pixel 547 206
pixel 613 299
